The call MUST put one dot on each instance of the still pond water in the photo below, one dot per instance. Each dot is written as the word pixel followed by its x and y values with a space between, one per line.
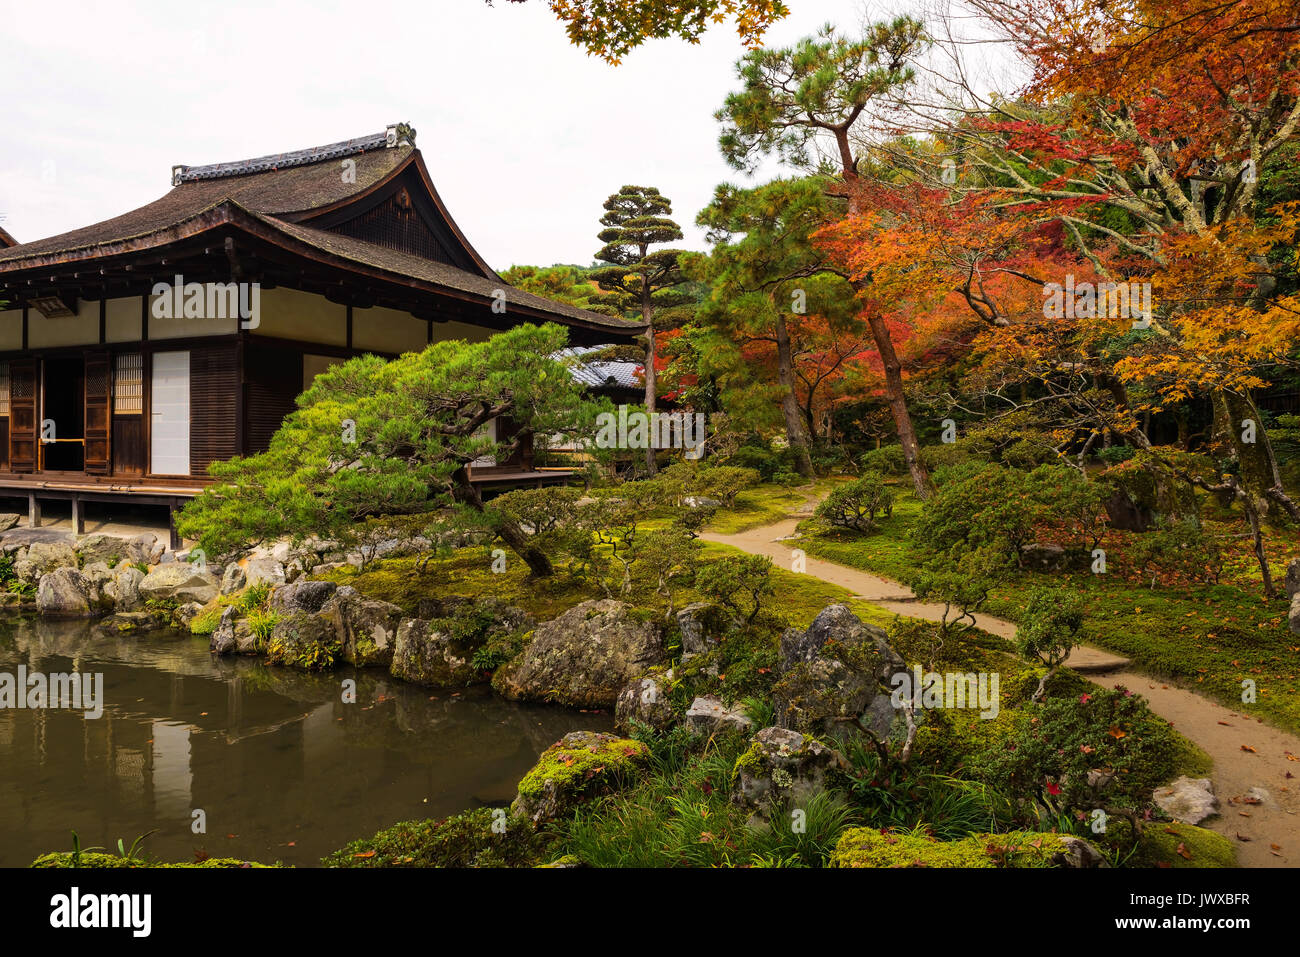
pixel 282 768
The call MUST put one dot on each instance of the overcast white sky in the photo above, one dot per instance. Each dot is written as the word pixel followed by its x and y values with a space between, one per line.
pixel 524 135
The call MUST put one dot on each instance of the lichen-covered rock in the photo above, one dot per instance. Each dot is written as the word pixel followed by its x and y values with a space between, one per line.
pixel 263 570
pixel 65 592
pixel 644 701
pixel 424 655
pixel 109 549
pixel 186 613
pixel 838 668
pixel 304 641
pixel 1293 578
pixel 125 622
pixel 708 714
pixel 581 766
pixel 223 636
pixel 246 642
pixel 1190 800
pixel 1044 557
pixel 868 847
pixel 233 579
pixel 302 596
pixel 367 629
pixel 8 520
pixel 782 765
pixel 1293 615
pixel 701 625
pixel 584 658
pixel 47 556
pixel 124 587
pixel 179 581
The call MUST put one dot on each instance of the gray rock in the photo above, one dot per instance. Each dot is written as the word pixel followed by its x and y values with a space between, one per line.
pixel 99 575
pixel 47 556
pixel 186 613
pixel 259 570
pixel 26 571
pixel 124 588
pixel 1045 557
pixel 109 549
pixel 303 596
pixel 65 592
pixel 304 641
pixel 17 538
pixel 1189 800
pixel 180 581
pixel 247 643
pixel 701 625
pixel 8 520
pixel 1293 614
pixel 780 766
pixel 367 629
pixel 645 701
pixel 584 658
pixel 840 667
pixel 1078 853
pixel 233 579
pixel 127 621
pixel 424 655
pixel 223 637
pixel 701 501
pixel 1293 578
pixel 708 714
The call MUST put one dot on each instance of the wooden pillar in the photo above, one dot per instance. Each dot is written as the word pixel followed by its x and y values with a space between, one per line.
pixel 33 511
pixel 78 517
pixel 176 542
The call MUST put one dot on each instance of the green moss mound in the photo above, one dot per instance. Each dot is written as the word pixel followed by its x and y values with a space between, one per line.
pixel 869 847
pixel 1182 845
pixel 580 766
pixel 484 837
pixel 94 859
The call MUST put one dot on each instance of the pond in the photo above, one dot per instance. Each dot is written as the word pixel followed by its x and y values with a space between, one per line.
pixel 281 767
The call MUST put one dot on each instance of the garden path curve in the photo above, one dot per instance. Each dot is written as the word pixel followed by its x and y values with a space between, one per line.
pixel 1246 752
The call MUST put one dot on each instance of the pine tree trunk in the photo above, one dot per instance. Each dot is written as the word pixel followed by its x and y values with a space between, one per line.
pixel 509 531
pixel 898 406
pixel 894 394
pixel 794 430
pixel 647 313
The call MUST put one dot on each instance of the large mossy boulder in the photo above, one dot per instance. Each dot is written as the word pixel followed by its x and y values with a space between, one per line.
pixel 584 658
pixel 869 847
pixel 180 582
pixel 367 629
pixel 837 669
pixel 424 654
pixel 45 557
pixel 304 641
pixel 580 766
pixel 301 596
pixel 483 837
pixel 67 593
pixel 109 549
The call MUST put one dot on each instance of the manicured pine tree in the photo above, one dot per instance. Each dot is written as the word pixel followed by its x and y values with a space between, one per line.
pixel 639 282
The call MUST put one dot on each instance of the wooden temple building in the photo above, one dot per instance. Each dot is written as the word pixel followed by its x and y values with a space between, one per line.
pixel 112 388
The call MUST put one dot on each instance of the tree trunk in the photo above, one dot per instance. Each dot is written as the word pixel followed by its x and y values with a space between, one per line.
pixel 898 405
pixel 537 561
pixel 647 313
pixel 885 346
pixel 794 430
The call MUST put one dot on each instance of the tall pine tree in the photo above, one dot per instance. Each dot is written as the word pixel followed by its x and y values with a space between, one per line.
pixel 639 282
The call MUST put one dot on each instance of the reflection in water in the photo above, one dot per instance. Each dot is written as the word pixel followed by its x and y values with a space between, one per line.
pixel 280 766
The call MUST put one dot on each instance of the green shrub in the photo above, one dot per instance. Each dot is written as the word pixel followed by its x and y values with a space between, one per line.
pixel 1103 748
pixel 858 504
